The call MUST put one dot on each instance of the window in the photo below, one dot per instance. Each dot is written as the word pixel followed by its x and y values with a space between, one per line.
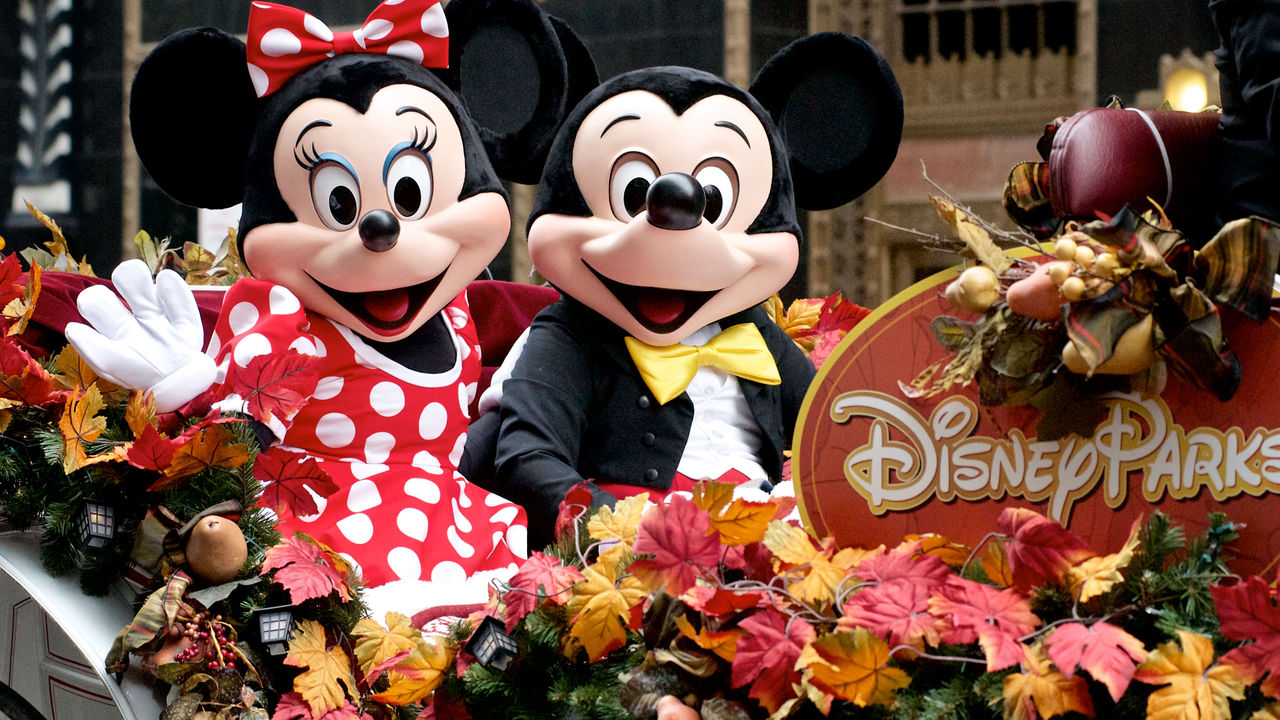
pixel 961 29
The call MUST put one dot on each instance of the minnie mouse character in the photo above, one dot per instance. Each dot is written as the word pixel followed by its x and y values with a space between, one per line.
pixel 369 203
pixel 666 215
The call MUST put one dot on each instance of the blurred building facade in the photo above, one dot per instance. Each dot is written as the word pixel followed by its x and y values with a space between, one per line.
pixel 980 79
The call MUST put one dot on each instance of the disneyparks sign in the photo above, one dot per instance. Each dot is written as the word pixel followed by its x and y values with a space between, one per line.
pixel 872 464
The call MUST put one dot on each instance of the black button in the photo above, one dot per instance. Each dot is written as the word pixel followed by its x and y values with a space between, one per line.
pixel 650 475
pixel 647 439
pixel 643 402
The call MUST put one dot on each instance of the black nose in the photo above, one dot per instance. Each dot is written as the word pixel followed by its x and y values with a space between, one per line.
pixel 675 202
pixel 379 230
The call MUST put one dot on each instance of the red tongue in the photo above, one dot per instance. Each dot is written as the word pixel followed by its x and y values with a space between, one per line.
pixel 387 305
pixel 660 307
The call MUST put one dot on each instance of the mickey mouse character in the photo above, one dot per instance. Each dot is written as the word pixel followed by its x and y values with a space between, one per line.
pixel 666 215
pixel 369 204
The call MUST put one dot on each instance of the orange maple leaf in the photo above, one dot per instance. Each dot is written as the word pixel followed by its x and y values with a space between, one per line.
pixel 739 522
pixel 140 412
pixel 723 643
pixel 418 674
pixel 995 563
pixel 600 607
pixel 1096 575
pixel 80 423
pixel 1040 691
pixel 1040 550
pixel 378 648
pixel 326 680
pixel 212 446
pixel 941 547
pixel 21 309
pixel 1197 689
pixel 853 666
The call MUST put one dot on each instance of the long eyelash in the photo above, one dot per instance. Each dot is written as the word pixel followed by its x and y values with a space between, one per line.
pixel 424 145
pixel 308 161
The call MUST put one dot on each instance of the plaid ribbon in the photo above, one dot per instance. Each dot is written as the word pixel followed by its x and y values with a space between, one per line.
pixel 157 613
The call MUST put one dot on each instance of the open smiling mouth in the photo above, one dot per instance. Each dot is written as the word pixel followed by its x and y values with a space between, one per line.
pixel 659 310
pixel 386 312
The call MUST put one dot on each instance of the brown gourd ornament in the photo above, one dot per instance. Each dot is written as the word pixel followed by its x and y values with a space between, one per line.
pixel 216 550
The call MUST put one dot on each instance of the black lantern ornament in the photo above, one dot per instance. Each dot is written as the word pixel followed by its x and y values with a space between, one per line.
pixel 274 624
pixel 491 645
pixel 96 524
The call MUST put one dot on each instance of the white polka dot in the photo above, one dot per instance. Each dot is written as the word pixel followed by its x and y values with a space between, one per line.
pixel 405 563
pixel 457 317
pixel 249 347
pixel 387 399
pixel 378 447
pixel 433 22
pixel 320 349
pixel 455 457
pixel 392 2
pixel 460 546
pixel 464 398
pixel 471 395
pixel 282 301
pixel 423 489
pixel 242 317
pixel 432 422
pixel 313 25
pixel 408 50
pixel 428 462
pixel 215 344
pixel 356 528
pixel 335 430
pixel 363 496
pixel 327 387
pixel 378 29
pixel 466 350
pixel 518 540
pixel 259 79
pixel 460 518
pixel 448 572
pixel 504 516
pixel 363 470
pixel 278 42
pixel 321 503
pixel 304 346
pixel 358 36
pixel 462 492
pixel 413 522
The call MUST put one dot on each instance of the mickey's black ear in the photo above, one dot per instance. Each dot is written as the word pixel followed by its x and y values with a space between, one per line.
pixel 840 111
pixel 192 110
pixel 519 72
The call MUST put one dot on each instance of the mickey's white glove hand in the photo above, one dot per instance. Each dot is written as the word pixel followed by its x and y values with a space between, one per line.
pixel 157 347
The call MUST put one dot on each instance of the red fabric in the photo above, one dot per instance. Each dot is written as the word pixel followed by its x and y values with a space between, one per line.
pixel 680 483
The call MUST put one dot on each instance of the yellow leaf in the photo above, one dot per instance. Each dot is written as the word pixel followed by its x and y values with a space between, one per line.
pixel 20 309
pixel 821 578
pixel 723 643
pixel 853 666
pixel 1096 575
pixel 995 563
pixel 326 670
pixel 1197 689
pixel 739 522
pixel 620 521
pixel 773 308
pixel 376 645
pixel 80 423
pixel 975 239
pixel 600 606
pixel 58 245
pixel 419 674
pixel 234 265
pixel 210 447
pixel 198 262
pixel 1042 691
pixel 6 417
pixel 71 371
pixel 953 554
pixel 789 543
pixel 1270 712
pixel 141 411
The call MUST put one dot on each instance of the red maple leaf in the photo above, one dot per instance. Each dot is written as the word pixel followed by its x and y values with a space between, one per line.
pixel 152 450
pixel 286 475
pixel 304 570
pixel 576 502
pixel 682 544
pixel 840 314
pixel 904 562
pixel 540 577
pixel 292 706
pixel 767 656
pixel 897 610
pixel 275 385
pixel 1040 550
pixel 1247 611
pixel 23 379
pixel 718 602
pixel 1104 651
pixel 995 618
pixel 10 274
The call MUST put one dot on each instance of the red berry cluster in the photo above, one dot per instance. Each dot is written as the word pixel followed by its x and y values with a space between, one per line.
pixel 213 640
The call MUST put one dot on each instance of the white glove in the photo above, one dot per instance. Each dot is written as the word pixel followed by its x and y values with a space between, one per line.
pixel 155 347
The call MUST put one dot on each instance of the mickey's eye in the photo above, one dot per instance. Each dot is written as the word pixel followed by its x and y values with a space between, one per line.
pixel 409 185
pixel 633 173
pixel 335 194
pixel 720 185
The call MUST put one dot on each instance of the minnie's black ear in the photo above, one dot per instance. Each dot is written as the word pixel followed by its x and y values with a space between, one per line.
pixel 840 111
pixel 192 110
pixel 519 72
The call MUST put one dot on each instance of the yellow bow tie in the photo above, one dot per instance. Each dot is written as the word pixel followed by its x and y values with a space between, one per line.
pixel 669 369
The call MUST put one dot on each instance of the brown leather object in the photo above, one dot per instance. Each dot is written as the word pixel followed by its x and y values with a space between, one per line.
pixel 1105 158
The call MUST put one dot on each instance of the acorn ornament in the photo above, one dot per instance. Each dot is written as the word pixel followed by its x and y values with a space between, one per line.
pixel 216 550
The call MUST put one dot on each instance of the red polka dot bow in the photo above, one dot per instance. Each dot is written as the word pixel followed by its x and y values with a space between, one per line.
pixel 284 41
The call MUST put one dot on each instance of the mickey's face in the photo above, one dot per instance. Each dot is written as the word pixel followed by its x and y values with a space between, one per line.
pixel 665 249
pixel 381 242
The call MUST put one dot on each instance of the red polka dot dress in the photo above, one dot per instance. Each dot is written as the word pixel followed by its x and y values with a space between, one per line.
pixel 389 436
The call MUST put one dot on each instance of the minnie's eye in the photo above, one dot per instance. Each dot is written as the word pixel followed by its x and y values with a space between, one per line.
pixel 336 195
pixel 633 173
pixel 720 185
pixel 409 185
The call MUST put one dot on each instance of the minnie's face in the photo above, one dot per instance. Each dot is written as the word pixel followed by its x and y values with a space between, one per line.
pixel 665 250
pixel 381 242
